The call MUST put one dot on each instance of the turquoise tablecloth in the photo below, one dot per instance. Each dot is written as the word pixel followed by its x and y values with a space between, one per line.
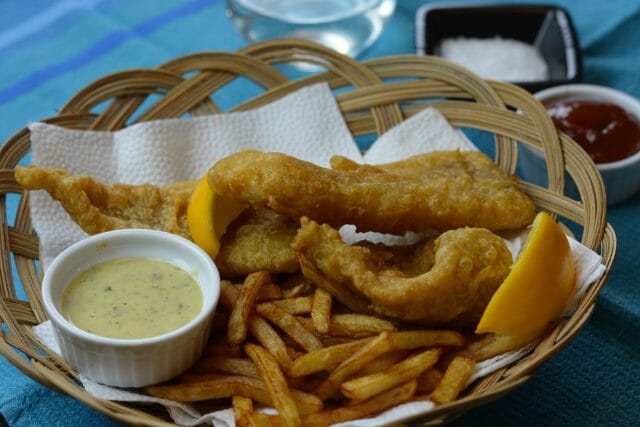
pixel 50 50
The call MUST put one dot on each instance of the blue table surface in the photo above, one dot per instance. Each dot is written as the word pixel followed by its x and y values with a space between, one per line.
pixel 50 50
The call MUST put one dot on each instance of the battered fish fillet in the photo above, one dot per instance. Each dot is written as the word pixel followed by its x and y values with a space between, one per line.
pixel 464 267
pixel 440 190
pixel 98 207
pixel 258 240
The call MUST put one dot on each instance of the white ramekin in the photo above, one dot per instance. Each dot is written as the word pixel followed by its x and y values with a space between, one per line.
pixel 621 178
pixel 131 362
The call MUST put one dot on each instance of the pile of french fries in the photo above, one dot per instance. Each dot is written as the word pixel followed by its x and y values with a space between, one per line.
pixel 290 346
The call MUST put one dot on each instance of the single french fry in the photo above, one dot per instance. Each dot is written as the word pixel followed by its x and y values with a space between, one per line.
pixel 358 325
pixel 329 341
pixel 326 358
pixel 306 403
pixel 383 362
pixel 269 291
pixel 429 380
pixel 410 340
pixel 206 389
pixel 364 387
pixel 454 380
pixel 300 287
pixel 243 306
pixel 351 325
pixel 307 323
pixel 228 294
pixel 363 409
pixel 259 328
pixel 276 384
pixel 290 326
pixel 269 338
pixel 228 387
pixel 298 305
pixel 375 348
pixel 250 387
pixel 242 409
pixel 321 311
pixel 492 345
pixel 229 365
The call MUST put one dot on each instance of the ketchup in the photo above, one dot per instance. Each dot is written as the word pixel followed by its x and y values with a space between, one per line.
pixel 606 132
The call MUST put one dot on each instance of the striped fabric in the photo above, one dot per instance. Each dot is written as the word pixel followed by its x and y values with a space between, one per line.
pixel 51 49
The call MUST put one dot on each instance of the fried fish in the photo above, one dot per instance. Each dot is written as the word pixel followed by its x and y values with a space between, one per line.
pixel 460 271
pixel 97 207
pixel 259 240
pixel 440 190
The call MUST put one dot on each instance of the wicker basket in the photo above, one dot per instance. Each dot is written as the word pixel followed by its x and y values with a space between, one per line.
pixel 374 96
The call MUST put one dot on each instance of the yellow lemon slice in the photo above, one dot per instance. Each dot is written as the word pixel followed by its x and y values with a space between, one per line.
pixel 209 215
pixel 539 286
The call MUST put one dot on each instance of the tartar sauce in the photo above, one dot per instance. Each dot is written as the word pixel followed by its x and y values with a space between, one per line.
pixel 133 297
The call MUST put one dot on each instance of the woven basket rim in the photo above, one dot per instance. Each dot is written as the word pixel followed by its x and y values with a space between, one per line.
pixel 369 103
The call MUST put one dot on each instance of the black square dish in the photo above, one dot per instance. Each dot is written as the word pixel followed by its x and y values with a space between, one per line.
pixel 547 28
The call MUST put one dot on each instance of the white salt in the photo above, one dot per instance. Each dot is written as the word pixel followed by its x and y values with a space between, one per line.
pixel 496 58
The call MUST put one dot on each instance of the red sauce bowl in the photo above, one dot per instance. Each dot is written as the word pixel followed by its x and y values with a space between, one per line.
pixel 606 123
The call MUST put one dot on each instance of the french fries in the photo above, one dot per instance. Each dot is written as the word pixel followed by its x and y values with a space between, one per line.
pixel 269 291
pixel 375 405
pixel 374 348
pixel 325 359
pixel 429 380
pixel 225 364
pixel 409 340
pixel 242 410
pixel 296 305
pixel 454 380
pixel 276 384
pixel 383 362
pixel 258 327
pixel 321 311
pixel 228 387
pixel 358 325
pixel 294 348
pixel 365 387
pixel 239 319
pixel 270 339
pixel 351 325
pixel 492 345
pixel 290 325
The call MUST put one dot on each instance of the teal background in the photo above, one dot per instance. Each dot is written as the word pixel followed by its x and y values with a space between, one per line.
pixel 50 50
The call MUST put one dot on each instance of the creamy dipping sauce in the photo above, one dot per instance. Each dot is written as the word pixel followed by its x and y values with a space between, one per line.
pixel 133 297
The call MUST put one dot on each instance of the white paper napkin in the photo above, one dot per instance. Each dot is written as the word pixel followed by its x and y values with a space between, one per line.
pixel 306 124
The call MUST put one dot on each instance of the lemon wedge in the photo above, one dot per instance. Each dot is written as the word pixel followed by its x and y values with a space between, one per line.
pixel 209 215
pixel 539 286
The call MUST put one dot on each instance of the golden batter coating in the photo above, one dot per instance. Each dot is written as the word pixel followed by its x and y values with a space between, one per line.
pixel 258 240
pixel 464 267
pixel 439 190
pixel 98 207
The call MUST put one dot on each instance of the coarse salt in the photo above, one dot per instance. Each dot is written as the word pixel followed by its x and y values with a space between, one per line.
pixel 496 58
